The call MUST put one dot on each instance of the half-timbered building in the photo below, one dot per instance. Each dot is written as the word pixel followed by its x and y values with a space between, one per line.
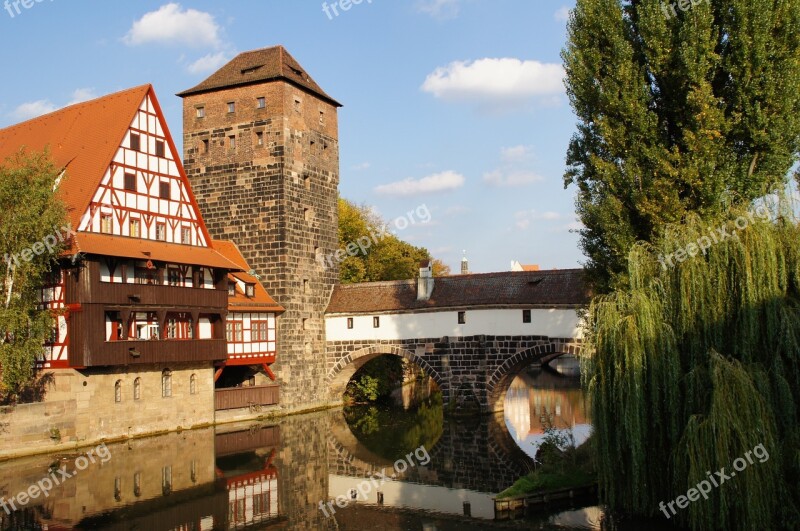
pixel 147 309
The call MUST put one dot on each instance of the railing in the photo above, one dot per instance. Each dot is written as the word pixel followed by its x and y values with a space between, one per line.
pixel 254 397
pixel 246 441
pixel 144 294
pixel 162 351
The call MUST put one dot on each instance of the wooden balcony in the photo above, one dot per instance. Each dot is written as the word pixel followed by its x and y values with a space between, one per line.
pixel 254 397
pixel 142 352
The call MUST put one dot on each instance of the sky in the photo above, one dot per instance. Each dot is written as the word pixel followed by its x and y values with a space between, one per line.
pixel 455 108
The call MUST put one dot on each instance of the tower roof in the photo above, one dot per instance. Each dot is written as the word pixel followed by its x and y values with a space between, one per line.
pixel 258 66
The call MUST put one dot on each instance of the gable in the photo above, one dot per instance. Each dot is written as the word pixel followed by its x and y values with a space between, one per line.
pixel 144 192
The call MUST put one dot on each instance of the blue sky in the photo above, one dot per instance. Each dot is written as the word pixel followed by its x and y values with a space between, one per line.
pixel 458 105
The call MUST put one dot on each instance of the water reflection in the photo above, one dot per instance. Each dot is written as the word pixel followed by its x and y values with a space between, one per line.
pixel 274 476
pixel 542 398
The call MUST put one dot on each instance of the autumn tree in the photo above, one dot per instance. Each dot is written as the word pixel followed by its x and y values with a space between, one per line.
pixel 31 220
pixel 381 255
pixel 682 108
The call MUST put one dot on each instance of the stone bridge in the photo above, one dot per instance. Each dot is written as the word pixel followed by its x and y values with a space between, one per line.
pixel 472 371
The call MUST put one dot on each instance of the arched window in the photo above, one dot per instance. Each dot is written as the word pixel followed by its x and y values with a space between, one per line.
pixel 166 383
pixel 137 389
pixel 118 391
pixel 193 384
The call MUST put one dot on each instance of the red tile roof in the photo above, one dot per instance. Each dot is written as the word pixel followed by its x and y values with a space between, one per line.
pixel 137 248
pixel 564 287
pixel 258 66
pixel 262 301
pixel 82 138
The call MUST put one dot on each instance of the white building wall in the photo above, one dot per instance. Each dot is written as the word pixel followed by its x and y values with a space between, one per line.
pixel 496 322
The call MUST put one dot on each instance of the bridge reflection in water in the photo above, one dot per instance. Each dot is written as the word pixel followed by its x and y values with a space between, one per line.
pixel 274 476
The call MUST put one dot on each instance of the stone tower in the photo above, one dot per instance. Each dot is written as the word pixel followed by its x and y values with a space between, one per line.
pixel 261 149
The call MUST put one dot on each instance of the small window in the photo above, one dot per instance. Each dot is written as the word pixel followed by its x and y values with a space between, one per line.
pixel 297 105
pixel 164 190
pixel 376 322
pixel 307 214
pixel 205 146
pixel 118 391
pixel 161 232
pixel 231 107
pixel 261 103
pixel 201 112
pixel 462 317
pixel 118 488
pixel 136 142
pixel 349 323
pixel 305 324
pixel 134 228
pixel 250 290
pixel 193 384
pixel 526 316
pixel 166 480
pixel 166 383
pixel 321 117
pixel 259 138
pixel 231 289
pixel 137 389
pixel 130 182
pixel 232 142
pixel 160 150
pixel 186 235
pixel 307 182
pixel 306 286
pixel 137 484
pixel 106 224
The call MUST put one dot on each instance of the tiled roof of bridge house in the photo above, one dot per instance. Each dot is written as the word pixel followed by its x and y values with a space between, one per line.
pixel 564 287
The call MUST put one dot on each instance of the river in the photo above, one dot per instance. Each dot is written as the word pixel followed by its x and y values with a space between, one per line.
pixel 390 468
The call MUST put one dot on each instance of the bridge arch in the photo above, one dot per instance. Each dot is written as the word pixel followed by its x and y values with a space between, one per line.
pixel 346 366
pixel 498 383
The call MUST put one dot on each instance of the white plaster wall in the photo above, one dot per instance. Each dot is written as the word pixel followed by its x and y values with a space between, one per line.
pixel 506 322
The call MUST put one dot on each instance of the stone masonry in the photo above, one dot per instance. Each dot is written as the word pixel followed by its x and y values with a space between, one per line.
pixel 267 179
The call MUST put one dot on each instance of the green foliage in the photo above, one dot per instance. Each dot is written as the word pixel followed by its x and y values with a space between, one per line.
pixel 375 380
pixel 681 114
pixel 29 212
pixel 561 465
pixel 693 366
pixel 386 258
pixel 392 432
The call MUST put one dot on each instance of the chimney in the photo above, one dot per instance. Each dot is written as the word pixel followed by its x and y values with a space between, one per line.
pixel 425 281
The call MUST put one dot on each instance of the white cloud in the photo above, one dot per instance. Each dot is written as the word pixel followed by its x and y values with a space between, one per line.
pixel 516 153
pixel 562 14
pixel 208 63
pixel 524 218
pixel 439 8
pixel 492 81
pixel 512 177
pixel 82 94
pixel 172 24
pixel 32 109
pixel 438 182
pixel 362 166
pixel 456 210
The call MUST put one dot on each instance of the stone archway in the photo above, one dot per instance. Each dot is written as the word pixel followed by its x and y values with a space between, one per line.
pixel 346 366
pixel 498 383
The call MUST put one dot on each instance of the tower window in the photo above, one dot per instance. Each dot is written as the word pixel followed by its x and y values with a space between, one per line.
pixel 305 324
pixel 201 112
pixel 261 103
pixel 307 214
pixel 231 107
pixel 306 286
pixel 136 142
pixel 259 138
pixel 307 182
pixel 322 117
pixel 297 105
pixel 160 150
pixel 130 182
pixel 232 142
pixel 193 384
pixel 250 290
pixel 205 146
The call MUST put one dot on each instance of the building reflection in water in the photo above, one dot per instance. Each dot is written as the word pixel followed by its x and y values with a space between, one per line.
pixel 540 398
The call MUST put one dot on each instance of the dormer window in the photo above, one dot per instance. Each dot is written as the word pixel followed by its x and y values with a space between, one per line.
pixel 250 290
pixel 231 290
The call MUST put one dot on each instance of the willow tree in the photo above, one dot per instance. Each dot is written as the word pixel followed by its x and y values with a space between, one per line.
pixel 683 107
pixel 32 230
pixel 696 364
